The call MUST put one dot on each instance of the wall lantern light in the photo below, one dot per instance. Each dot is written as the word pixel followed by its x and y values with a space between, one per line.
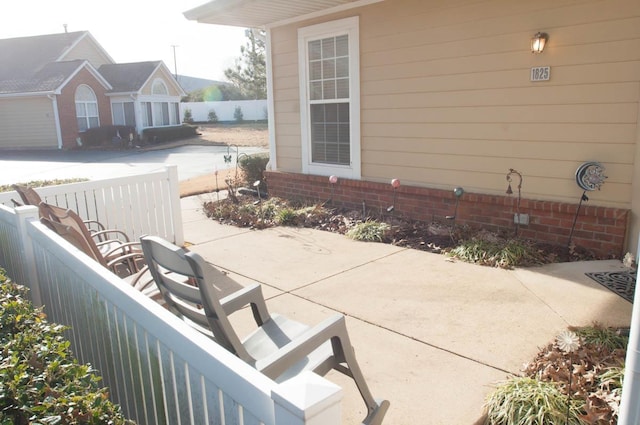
pixel 538 42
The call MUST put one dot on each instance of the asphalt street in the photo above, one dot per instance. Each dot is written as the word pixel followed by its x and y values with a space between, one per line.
pixel 192 161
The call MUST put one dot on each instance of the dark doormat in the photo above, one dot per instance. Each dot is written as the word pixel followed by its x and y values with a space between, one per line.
pixel 622 283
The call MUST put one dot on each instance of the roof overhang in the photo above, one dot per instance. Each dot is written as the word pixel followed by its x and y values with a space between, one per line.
pixel 268 13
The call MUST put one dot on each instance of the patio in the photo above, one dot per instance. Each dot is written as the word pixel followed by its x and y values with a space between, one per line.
pixel 432 335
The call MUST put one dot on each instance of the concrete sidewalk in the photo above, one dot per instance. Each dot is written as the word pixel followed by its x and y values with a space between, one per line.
pixel 432 335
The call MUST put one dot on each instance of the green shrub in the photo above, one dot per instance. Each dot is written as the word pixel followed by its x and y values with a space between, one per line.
pixel 368 231
pixel 253 167
pixel 188 116
pixel 40 381
pixel 212 117
pixel 527 401
pixel 166 134
pixel 238 115
pixel 107 135
pixel 286 217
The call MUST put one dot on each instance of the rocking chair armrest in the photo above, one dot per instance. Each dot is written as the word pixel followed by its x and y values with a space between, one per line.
pixel 102 235
pixel 124 248
pixel 128 258
pixel 251 295
pixel 279 362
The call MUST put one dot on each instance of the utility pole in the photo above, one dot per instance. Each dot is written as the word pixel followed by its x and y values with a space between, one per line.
pixel 175 63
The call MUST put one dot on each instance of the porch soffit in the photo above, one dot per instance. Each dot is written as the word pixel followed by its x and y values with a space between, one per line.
pixel 266 13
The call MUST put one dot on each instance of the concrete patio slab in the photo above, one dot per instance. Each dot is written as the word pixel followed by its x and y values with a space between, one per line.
pixel 286 258
pixel 432 335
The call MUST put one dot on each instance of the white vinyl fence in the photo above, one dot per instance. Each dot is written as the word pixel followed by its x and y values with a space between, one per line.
pixel 252 110
pixel 143 204
pixel 160 370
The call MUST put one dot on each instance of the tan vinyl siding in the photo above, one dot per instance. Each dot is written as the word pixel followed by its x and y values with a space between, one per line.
pixel 446 99
pixel 27 123
pixel 88 50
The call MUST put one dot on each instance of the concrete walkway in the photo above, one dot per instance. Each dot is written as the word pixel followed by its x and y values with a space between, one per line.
pixel 432 335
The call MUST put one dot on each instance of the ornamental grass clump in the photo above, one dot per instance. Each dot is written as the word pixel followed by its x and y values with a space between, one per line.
pixel 504 253
pixel 528 401
pixel 368 231
pixel 40 380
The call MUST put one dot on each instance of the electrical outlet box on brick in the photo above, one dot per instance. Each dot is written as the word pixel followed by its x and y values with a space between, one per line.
pixel 522 219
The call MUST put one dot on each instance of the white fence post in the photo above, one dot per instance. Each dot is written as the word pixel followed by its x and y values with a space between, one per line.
pixel 307 399
pixel 25 214
pixel 629 406
pixel 176 208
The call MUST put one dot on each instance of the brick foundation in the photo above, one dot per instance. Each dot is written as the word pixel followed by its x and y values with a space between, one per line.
pixel 599 229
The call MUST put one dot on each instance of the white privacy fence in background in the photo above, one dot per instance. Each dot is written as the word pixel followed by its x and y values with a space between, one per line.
pixel 143 204
pixel 252 110
pixel 159 369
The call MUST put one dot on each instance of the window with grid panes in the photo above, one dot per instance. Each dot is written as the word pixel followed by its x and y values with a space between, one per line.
pixel 330 98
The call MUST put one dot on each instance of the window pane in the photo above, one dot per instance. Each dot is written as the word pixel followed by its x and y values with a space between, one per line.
pixel 318 155
pixel 328 48
pixel 343 133
pixel 343 112
pixel 317 133
pixel 315 50
pixel 80 110
pixel 331 112
pixel 92 109
pixel 315 70
pixel 317 113
pixel 129 114
pixel 165 113
pixel 328 68
pixel 117 110
pixel 342 67
pixel 82 124
pixel 316 90
pixel 93 122
pixel 342 45
pixel 329 89
pixel 342 88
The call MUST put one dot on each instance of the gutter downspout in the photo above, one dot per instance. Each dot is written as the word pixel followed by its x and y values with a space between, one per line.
pixel 271 113
pixel 56 117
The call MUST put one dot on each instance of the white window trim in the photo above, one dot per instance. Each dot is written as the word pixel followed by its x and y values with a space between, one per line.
pixel 349 26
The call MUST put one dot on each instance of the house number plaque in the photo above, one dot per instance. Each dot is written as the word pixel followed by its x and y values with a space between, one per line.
pixel 540 73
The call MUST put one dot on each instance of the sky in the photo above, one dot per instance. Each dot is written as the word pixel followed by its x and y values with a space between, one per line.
pixel 133 31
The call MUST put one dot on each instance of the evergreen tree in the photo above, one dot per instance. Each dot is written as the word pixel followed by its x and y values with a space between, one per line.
pixel 249 75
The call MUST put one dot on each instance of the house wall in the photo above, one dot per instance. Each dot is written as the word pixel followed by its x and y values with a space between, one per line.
pixel 167 78
pixel 67 106
pixel 446 98
pixel 86 49
pixel 27 123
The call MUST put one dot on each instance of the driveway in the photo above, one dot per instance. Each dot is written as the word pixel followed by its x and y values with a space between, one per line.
pixel 192 161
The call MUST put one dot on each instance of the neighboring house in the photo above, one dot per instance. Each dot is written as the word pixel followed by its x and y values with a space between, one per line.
pixel 439 95
pixel 54 87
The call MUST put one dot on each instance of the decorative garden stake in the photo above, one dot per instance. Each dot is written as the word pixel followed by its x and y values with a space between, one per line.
pixel 332 183
pixel 256 184
pixel 589 176
pixel 568 342
pixel 510 192
pixel 215 173
pixel 457 192
pixel 395 184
